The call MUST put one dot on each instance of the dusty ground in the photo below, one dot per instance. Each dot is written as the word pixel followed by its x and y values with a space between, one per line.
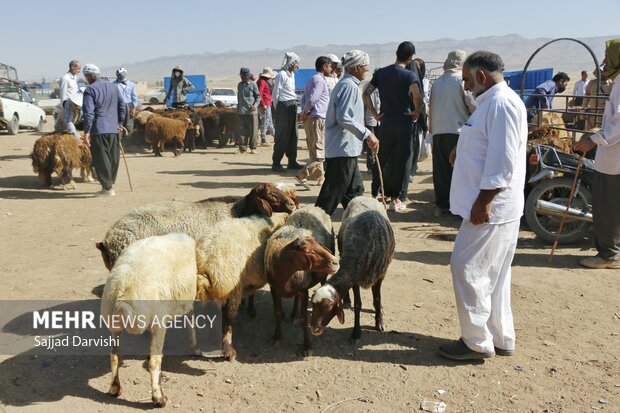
pixel 567 318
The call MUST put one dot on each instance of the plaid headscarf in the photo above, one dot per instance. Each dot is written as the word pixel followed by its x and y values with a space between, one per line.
pixel 612 52
pixel 290 58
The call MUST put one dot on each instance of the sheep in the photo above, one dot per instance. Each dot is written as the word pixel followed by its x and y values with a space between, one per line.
pixel 297 257
pixel 162 130
pixel 230 262
pixel 196 131
pixel 192 218
pixel 60 153
pixel 139 125
pixel 229 122
pixel 211 125
pixel 366 245
pixel 153 278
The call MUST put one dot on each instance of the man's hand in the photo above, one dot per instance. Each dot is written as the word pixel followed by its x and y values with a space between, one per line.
pixel 480 212
pixel 303 116
pixel 373 142
pixel 252 109
pixel 584 145
pixel 87 139
pixel 452 156
pixel 413 115
pixel 378 116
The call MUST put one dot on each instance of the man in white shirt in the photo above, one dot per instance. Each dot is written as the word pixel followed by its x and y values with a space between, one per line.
pixel 67 87
pixel 487 192
pixel 579 90
pixel 285 102
pixel 332 78
pixel 606 184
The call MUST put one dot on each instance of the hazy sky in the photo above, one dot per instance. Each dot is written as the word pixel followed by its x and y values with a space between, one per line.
pixel 40 37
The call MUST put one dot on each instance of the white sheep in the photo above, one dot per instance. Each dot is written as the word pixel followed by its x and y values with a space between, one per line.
pixel 299 256
pixel 366 245
pixel 153 278
pixel 230 261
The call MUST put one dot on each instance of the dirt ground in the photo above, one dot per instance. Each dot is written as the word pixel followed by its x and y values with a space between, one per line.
pixel 567 318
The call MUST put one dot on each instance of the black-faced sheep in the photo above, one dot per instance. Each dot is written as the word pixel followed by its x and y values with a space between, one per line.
pixel 366 245
pixel 161 130
pixel 154 278
pixel 60 153
pixel 230 262
pixel 299 256
pixel 188 217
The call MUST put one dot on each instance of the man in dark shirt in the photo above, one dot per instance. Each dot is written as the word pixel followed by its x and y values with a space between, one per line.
pixel 104 111
pixel 401 101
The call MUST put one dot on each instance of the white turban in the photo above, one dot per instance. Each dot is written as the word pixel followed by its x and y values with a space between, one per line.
pixel 90 69
pixel 289 59
pixel 355 58
pixel 455 60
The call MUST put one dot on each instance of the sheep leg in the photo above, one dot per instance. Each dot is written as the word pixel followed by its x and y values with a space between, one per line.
pixel 376 301
pixel 228 350
pixel 251 311
pixel 115 361
pixel 303 320
pixel 346 300
pixel 192 340
pixel 279 313
pixel 357 305
pixel 294 310
pixel 158 335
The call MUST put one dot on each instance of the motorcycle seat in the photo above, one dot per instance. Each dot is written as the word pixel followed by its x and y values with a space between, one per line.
pixel 566 160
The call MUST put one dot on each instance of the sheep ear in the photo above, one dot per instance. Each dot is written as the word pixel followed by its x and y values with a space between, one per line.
pixel 340 314
pixel 264 207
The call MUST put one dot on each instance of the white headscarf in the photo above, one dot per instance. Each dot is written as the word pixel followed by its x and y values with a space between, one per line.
pixel 290 58
pixel 455 60
pixel 355 58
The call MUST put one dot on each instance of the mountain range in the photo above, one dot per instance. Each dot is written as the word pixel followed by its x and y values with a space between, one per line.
pixel 567 56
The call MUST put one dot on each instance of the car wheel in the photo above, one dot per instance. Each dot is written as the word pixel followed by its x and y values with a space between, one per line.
pixel 13 125
pixel 153 101
pixel 40 126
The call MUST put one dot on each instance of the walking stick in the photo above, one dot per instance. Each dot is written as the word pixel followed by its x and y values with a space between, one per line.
pixel 376 158
pixel 126 132
pixel 570 201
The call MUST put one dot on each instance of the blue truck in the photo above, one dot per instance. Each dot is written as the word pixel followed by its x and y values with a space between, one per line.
pixel 533 78
pixel 198 97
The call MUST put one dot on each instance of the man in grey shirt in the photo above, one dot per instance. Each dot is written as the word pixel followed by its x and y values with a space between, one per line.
pixel 248 99
pixel 344 135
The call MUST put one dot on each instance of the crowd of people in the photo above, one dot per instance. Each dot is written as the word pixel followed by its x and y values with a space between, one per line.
pixel 479 129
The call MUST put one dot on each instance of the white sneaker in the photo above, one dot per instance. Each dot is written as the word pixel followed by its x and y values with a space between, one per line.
pixel 397 205
pixel 105 192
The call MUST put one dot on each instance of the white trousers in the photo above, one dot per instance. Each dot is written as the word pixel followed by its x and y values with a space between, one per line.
pixel 480 267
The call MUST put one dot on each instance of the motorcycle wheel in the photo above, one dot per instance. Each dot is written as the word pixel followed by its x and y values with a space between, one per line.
pixel 557 190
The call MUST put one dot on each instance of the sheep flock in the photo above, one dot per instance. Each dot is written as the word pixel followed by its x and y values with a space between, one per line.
pixel 165 257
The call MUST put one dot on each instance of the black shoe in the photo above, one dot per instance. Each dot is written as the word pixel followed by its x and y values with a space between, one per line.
pixel 277 168
pixel 503 352
pixel 458 350
pixel 294 166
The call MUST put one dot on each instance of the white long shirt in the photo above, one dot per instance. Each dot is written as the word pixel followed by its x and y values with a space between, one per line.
pixel 607 160
pixel 580 88
pixel 449 104
pixel 284 87
pixel 491 154
pixel 68 86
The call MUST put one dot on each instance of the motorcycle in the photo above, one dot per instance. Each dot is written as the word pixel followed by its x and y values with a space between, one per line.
pixel 552 180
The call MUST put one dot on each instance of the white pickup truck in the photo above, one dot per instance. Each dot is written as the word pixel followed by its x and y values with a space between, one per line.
pixel 17 107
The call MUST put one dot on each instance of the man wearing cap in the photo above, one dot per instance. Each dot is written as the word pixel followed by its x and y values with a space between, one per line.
pixel 68 86
pixel 179 88
pixel 450 107
pixel 344 136
pixel 332 78
pixel 606 185
pixel 285 100
pixel 248 99
pixel 313 111
pixel 264 109
pixel 401 102
pixel 104 111
pixel 127 89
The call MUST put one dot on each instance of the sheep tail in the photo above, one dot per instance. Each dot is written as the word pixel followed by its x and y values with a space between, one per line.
pixel 125 318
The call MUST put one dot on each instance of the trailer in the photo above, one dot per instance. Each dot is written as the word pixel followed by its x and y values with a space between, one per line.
pixel 197 97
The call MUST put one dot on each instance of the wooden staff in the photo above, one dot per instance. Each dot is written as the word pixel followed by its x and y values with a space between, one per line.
pixel 570 201
pixel 126 132
pixel 376 158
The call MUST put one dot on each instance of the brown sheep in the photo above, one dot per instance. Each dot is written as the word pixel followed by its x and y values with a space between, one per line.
pixel 139 125
pixel 229 123
pixel 163 130
pixel 60 153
